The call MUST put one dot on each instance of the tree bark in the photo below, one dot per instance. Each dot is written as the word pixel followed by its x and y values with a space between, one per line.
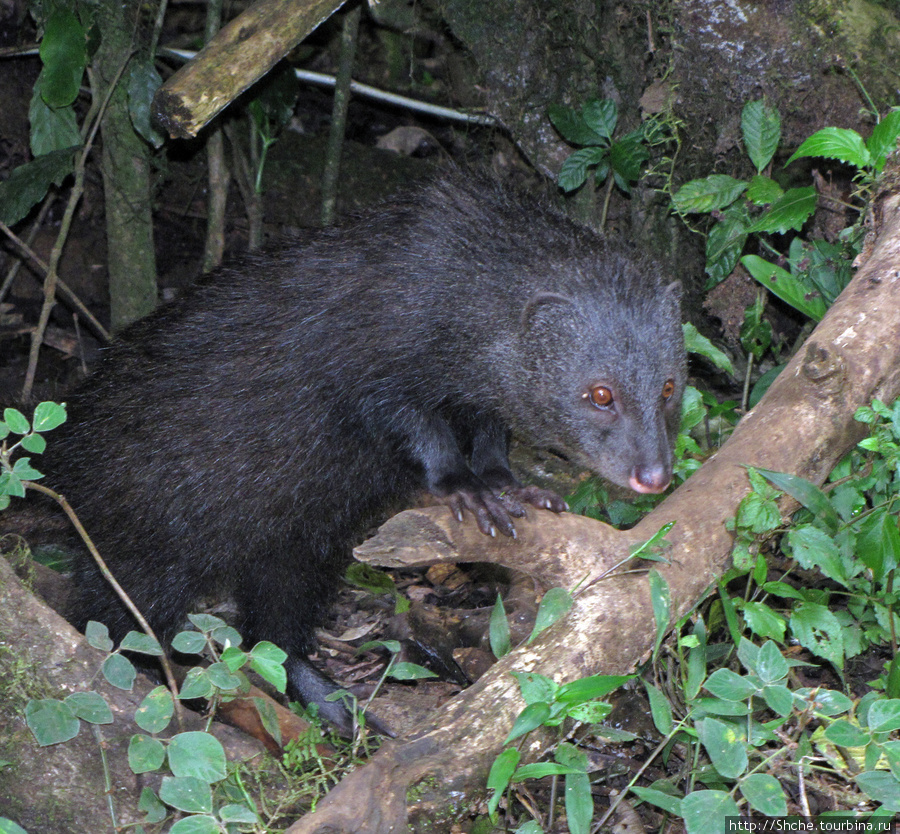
pixel 804 425
pixel 238 56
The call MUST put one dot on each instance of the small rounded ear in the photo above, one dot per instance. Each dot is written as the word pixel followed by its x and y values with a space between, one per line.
pixel 548 310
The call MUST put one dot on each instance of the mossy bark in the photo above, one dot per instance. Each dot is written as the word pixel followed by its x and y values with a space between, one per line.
pixel 126 172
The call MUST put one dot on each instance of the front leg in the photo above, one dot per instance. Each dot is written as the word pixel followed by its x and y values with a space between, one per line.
pixel 433 443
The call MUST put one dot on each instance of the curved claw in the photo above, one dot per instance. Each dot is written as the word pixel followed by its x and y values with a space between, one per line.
pixel 492 512
pixel 543 499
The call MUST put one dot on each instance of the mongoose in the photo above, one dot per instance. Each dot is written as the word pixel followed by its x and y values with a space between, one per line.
pixel 247 434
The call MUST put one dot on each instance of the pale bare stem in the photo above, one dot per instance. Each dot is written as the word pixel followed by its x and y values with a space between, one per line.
pixel 120 591
pixel 51 279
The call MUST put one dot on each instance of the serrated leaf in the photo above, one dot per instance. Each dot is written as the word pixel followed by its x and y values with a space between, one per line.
pixel 820 631
pixel 64 57
pixel 573 171
pixel 763 191
pixel 807 493
pixel 813 548
pixel 572 126
pixel 790 211
pixel 761 128
pixel 884 138
pixel 601 116
pixel 725 243
pixel 835 143
pixel 708 194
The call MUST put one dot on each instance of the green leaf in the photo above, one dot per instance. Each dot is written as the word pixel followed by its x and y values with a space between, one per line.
pixel 23 469
pixel 52 130
pixel 572 126
pixel 845 734
pixel 672 804
pixel 763 621
pixel 16 420
pixel 707 812
pixel 627 157
pixel 7 826
pixel 186 793
pixel 145 754
pixel 884 138
pixel 555 605
pixel 661 601
pixel 539 770
pixel 813 548
pixel 51 721
pixel 151 807
pixel 788 288
pixel 155 711
pixel 532 717
pixel 761 127
pixel 878 544
pixel 807 493
pixel 119 671
pixel 779 699
pixel 48 416
pixel 196 685
pixel 206 622
pixel 835 143
pixel 601 116
pixel 27 185
pixel 823 701
pixel 696 342
pixel 265 709
pixel 267 660
pixel 64 56
pixel 660 709
pixel 757 514
pixel 189 642
pixel 790 211
pixel 820 631
pixel 500 774
pixel 196 824
pixel 725 243
pixel 405 671
pixel 762 191
pixel 765 794
pixel 90 707
pixel 882 786
pixel 143 82
pixel 136 641
pixel 34 443
pixel 726 748
pixel 11 484
pixel 573 171
pixel 708 194
pixel 221 677
pixel 884 716
pixel 199 755
pixel 589 688
pixel 498 631
pixel 238 813
pixel 97 636
pixel 770 663
pixel 579 802
pixel 723 683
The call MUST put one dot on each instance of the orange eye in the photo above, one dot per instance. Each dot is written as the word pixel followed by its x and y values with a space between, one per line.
pixel 668 389
pixel 600 396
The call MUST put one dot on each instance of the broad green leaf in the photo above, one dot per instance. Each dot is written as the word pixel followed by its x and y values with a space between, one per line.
pixel 882 786
pixel 196 685
pixel 757 514
pixel 16 420
pixel 807 493
pixel 536 687
pixel 7 826
pixel 696 342
pixel 820 631
pixel 34 443
pixel 499 630
pixel 27 185
pixel 206 622
pixel 884 716
pixel 221 677
pixel 824 701
pixel 532 717
pixel 669 803
pixel 661 601
pixel 765 794
pixel 788 288
pixel 64 56
pixel 404 671
pixel 143 82
pixel 601 116
pixel 790 211
pixel 119 671
pixel 725 243
pixel 587 689
pixel 779 699
pixel 189 642
pixel 501 772
pixel 97 636
pixel 708 194
pixel 197 754
pixel 579 802
pixel 835 143
pixel 51 721
pixel 878 544
pixel 627 157
pixel 761 128
pixel 238 813
pixel 23 469
pixel 155 711
pixel 726 748
pixel 660 709
pixel 145 754
pixel 196 824
pixel 763 191
pixel 763 621
pixel 554 606
pixel 724 683
pixel 884 138
pixel 265 709
pixel 267 660
pixel 90 707
pixel 573 171
pixel 52 129
pixel 572 126
pixel 186 793
pixel 813 548
pixel 707 812
pixel 48 416
pixel 11 484
pixel 137 641
pixel 845 734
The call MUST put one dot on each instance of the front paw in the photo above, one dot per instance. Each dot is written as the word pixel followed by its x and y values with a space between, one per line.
pixel 492 512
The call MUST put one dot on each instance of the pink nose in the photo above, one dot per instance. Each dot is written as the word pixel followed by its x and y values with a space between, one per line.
pixel 649 479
